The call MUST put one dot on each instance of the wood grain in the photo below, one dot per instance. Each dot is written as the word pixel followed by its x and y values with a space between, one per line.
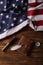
pixel 15 58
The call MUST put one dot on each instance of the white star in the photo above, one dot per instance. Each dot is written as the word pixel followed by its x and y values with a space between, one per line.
pixel 5 6
pixel 22 1
pixel 1 14
pixel 17 0
pixel 12 24
pixel 3 22
pixel 1 2
pixel 14 18
pixel 13 5
pixel 7 16
pixel 21 20
pixel 5 29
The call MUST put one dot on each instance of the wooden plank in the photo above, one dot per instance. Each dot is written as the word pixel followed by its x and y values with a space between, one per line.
pixel 15 58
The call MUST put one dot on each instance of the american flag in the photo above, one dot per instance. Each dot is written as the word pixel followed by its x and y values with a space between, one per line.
pixel 16 14
pixel 13 16
pixel 35 14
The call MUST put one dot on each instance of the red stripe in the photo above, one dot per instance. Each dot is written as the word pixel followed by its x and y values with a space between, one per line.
pixel 35 12
pixel 34 4
pixel 38 23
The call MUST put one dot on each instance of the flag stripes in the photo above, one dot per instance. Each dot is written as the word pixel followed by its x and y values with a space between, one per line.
pixel 35 13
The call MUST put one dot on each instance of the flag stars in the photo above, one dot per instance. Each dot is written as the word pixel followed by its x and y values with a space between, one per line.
pixel 17 0
pixel 21 20
pixel 1 14
pixel 14 18
pixel 1 2
pixel 3 22
pixel 11 14
pixel 22 1
pixel 13 5
pixel 7 16
pixel 5 6
pixel 5 29
pixel 12 24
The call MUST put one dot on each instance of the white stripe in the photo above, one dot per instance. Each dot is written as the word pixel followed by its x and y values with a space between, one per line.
pixel 39 0
pixel 40 28
pixel 36 17
pixel 13 30
pixel 41 7
pixel 32 1
pixel 37 7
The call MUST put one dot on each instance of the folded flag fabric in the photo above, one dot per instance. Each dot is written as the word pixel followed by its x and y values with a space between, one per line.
pixel 13 16
pixel 35 14
pixel 16 14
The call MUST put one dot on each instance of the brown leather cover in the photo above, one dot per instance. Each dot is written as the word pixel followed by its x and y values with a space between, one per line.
pixel 26 45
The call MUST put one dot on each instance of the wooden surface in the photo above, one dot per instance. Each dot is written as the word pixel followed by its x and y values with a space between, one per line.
pixel 15 58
